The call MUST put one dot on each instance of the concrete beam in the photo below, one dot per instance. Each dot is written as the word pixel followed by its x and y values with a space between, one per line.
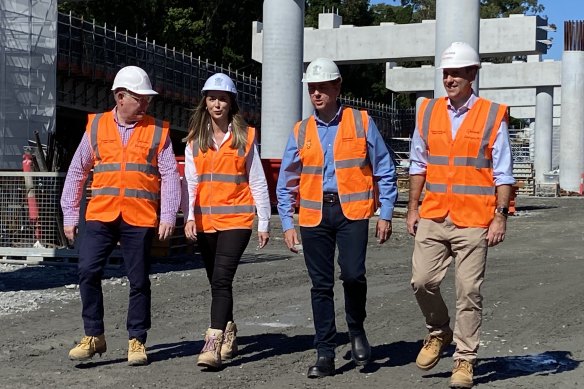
pixel 529 112
pixel 491 76
pixel 515 35
pixel 524 97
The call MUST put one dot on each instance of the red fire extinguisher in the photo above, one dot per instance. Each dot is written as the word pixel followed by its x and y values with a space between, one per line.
pixel 33 210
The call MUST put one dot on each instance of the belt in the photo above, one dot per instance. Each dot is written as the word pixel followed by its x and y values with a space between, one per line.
pixel 328 197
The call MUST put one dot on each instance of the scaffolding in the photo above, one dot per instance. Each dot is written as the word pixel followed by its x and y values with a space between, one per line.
pixel 28 50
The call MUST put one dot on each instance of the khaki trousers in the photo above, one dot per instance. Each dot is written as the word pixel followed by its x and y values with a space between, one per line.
pixel 437 244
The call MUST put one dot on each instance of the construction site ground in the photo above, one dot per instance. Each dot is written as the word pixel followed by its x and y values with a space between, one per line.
pixel 532 334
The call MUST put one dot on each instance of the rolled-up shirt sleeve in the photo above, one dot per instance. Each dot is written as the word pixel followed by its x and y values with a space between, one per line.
pixel 418 154
pixel 503 157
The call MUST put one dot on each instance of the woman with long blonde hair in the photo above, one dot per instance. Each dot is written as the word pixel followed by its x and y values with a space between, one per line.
pixel 226 183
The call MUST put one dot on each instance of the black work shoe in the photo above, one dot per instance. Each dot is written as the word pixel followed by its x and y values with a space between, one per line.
pixel 360 349
pixel 324 366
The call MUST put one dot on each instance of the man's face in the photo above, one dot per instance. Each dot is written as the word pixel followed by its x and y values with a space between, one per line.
pixel 458 83
pixel 323 95
pixel 132 106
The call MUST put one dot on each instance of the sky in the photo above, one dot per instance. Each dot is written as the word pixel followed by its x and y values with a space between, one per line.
pixel 557 11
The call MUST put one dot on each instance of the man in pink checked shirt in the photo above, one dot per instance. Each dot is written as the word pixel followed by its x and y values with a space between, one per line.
pixel 134 175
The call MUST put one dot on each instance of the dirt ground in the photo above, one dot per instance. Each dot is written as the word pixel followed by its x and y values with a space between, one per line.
pixel 533 331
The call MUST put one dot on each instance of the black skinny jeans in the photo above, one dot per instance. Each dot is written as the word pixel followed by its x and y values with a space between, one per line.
pixel 222 251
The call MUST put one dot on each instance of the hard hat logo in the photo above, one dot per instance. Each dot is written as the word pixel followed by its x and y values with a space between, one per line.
pixel 316 70
pixel 220 82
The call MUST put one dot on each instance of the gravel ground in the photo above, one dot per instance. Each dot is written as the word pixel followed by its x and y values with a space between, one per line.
pixel 532 331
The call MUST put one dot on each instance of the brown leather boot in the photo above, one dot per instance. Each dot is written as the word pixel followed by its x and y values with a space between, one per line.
pixel 431 351
pixel 136 353
pixel 88 347
pixel 462 374
pixel 210 355
pixel 229 347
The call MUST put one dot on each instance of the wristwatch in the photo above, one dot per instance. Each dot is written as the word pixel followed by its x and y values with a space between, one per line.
pixel 502 210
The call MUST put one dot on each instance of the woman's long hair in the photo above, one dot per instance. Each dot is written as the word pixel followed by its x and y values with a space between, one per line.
pixel 200 128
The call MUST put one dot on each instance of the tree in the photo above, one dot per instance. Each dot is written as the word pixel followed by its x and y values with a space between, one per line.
pixel 219 31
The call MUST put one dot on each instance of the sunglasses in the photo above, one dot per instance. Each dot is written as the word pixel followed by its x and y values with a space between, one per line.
pixel 139 99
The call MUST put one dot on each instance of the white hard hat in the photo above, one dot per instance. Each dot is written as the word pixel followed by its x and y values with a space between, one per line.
pixel 321 70
pixel 135 80
pixel 221 82
pixel 459 55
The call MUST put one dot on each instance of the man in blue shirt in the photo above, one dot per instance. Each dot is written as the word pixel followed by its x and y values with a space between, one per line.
pixel 336 160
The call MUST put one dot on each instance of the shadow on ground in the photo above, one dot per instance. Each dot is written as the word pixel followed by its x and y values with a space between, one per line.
pixel 503 368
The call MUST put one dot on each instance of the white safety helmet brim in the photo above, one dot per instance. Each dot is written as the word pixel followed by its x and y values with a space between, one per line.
pixel 135 80
pixel 219 82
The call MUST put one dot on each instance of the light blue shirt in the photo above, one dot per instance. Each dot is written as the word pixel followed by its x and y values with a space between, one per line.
pixel 502 157
pixel 382 165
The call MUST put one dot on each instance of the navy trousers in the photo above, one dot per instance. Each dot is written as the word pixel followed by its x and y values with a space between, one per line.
pixel 318 243
pixel 98 243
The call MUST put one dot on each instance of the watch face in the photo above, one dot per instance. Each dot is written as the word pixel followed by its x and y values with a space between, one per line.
pixel 502 210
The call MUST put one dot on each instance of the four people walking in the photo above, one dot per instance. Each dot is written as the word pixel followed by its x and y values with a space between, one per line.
pixel 336 168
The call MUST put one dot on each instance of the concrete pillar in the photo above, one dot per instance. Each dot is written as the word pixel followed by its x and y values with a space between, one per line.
pixel 543 132
pixel 572 125
pixel 455 21
pixel 532 141
pixel 283 42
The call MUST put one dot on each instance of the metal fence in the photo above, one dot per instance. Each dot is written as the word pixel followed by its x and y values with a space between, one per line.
pixel 94 53
pixel 30 217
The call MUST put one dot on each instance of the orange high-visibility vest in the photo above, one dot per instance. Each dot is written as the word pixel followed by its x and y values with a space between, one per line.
pixel 126 179
pixel 459 176
pixel 352 168
pixel 224 199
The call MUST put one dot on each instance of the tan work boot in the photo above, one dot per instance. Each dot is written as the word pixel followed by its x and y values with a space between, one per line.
pixel 229 346
pixel 210 355
pixel 136 353
pixel 430 353
pixel 88 347
pixel 462 374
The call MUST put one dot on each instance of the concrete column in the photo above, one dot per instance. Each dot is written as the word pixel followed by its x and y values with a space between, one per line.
pixel 455 21
pixel 532 141
pixel 543 132
pixel 283 42
pixel 572 125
